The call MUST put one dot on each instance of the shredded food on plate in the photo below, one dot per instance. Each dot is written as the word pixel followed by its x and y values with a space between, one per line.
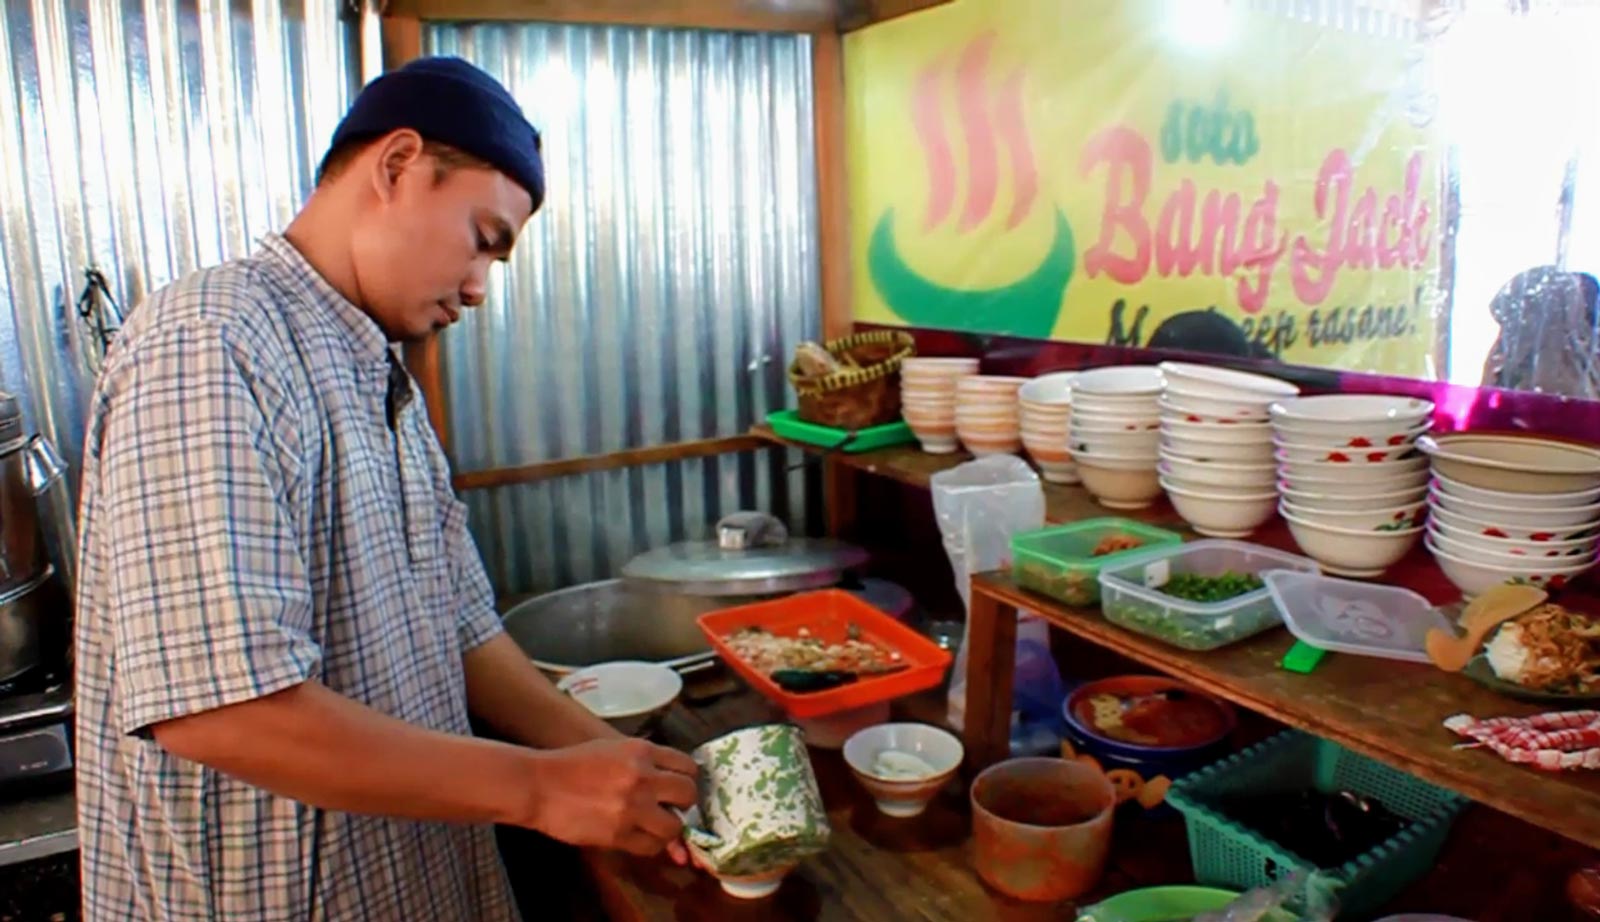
pixel 770 652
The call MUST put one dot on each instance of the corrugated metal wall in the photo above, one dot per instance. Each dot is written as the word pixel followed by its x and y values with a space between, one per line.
pixel 147 138
pixel 655 298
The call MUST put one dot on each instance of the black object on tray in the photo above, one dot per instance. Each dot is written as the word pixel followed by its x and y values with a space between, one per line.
pixel 1324 829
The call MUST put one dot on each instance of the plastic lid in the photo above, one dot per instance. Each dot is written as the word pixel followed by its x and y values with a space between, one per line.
pixel 1348 616
pixel 707 569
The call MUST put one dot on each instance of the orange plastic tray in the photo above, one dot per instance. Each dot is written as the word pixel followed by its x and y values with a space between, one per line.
pixel 827 615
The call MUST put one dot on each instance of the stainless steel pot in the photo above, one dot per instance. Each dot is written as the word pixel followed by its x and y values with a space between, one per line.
pixel 580 626
pixel 22 613
pixel 28 467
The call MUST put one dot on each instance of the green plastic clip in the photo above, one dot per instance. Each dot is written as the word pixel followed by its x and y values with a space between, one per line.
pixel 1302 657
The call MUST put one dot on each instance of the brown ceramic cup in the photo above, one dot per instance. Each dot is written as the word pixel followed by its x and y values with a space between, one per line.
pixel 1041 828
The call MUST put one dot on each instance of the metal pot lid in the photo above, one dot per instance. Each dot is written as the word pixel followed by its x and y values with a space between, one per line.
pixel 708 568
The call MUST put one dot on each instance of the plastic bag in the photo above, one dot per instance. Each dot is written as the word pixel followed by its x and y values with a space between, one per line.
pixel 980 505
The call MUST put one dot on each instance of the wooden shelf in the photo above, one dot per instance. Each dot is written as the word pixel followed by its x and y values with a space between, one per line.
pixel 1388 710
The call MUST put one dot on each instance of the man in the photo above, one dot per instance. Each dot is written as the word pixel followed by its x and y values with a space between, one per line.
pixel 283 623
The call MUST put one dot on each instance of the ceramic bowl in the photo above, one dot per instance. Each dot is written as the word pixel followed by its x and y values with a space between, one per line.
pixel 1394 518
pixel 1473 578
pixel 1512 498
pixel 918 365
pixel 1503 551
pixel 1348 551
pixel 1119 482
pixel 1364 502
pixel 1218 432
pixel 1531 517
pixel 1293 482
pixel 1514 463
pixel 1374 417
pixel 1119 381
pixel 900 794
pixel 1212 473
pixel 749 887
pixel 1317 438
pixel 998 387
pixel 630 696
pixel 983 447
pixel 1139 422
pixel 1224 383
pixel 1294 451
pixel 1207 410
pixel 1490 527
pixel 945 404
pixel 1054 389
pixel 1134 444
pixel 1403 473
pixel 1220 515
pixel 1249 453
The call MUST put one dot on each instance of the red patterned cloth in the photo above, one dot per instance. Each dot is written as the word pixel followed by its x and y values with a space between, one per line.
pixel 1555 742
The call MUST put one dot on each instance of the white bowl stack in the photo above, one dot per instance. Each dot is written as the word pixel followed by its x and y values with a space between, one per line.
pixel 1352 482
pixel 1216 447
pixel 1046 410
pixel 1115 434
pixel 1512 509
pixel 928 399
pixel 988 414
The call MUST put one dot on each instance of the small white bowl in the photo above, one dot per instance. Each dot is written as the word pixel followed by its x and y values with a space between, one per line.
pixel 1355 415
pixel 1358 502
pixel 1291 481
pixel 1294 451
pixel 1348 551
pixel 1504 551
pixel 1126 422
pixel 1221 515
pixel 1492 527
pixel 1475 578
pixel 1512 499
pixel 1405 472
pixel 1137 444
pixel 1253 454
pixel 1514 462
pixel 1525 517
pixel 1224 383
pixel 900 795
pixel 1206 410
pixel 1318 438
pixel 1054 389
pixel 1211 473
pixel 1119 381
pixel 919 364
pixel 630 696
pixel 1120 482
pixel 1394 518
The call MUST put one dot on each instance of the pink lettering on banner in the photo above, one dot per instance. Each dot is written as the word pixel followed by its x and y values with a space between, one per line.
pixel 1357 238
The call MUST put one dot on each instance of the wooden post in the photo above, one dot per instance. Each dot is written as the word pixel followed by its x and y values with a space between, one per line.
pixel 833 228
pixel 991 664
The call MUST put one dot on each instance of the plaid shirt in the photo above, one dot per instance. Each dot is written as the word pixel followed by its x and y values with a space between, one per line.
pixel 264 503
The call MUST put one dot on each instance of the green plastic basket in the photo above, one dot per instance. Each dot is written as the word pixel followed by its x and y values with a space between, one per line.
pixel 1059 561
pixel 789 425
pixel 1227 854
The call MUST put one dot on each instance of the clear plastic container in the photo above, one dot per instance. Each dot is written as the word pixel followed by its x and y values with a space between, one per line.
pixel 1132 597
pixel 1349 616
pixel 1060 561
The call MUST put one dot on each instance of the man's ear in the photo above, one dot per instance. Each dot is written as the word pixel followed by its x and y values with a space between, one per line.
pixel 397 151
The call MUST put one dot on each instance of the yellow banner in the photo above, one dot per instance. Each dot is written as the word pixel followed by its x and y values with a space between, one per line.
pixel 1164 173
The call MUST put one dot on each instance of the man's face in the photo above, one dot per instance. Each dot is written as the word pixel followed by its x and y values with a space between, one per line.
pixel 422 253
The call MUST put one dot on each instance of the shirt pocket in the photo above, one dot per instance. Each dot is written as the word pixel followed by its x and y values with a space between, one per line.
pixel 423 538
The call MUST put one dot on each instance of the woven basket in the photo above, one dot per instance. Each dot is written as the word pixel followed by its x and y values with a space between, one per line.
pixel 860 398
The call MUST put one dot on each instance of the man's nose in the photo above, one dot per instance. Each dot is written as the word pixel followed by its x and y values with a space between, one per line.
pixel 475 289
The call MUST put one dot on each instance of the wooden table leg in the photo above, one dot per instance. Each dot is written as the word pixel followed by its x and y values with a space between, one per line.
pixel 991 664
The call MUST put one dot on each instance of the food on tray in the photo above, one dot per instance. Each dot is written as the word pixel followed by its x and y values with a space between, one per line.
pixel 1074 587
pixel 1169 719
pixel 804 663
pixel 1550 649
pixel 1116 544
pixel 1193 587
pixel 1324 829
pixel 901 766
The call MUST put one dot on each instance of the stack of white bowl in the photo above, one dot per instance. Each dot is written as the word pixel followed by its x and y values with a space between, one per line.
pixel 988 414
pixel 1115 434
pixel 1352 481
pixel 928 399
pixel 1216 447
pixel 1046 404
pixel 1506 508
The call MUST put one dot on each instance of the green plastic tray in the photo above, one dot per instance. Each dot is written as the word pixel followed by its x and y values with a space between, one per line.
pixel 789 425
pixel 1059 561
pixel 1227 854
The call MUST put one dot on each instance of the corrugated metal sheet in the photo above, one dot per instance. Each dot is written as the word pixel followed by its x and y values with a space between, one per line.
pixel 656 297
pixel 148 138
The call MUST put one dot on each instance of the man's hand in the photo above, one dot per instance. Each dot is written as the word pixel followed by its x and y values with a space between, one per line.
pixel 614 794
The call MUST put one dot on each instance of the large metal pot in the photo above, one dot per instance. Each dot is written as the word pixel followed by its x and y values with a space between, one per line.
pixel 28 467
pixel 22 613
pixel 602 622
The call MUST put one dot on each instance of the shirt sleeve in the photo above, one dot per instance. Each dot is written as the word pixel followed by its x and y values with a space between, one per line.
pixel 476 617
pixel 209 598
